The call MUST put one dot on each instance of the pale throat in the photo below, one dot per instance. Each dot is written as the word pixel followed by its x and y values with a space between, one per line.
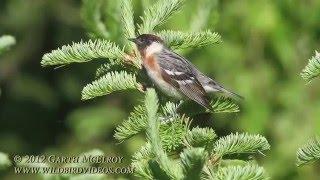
pixel 154 48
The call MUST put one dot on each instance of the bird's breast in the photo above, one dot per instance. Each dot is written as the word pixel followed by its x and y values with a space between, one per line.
pixel 150 63
pixel 153 68
pixel 154 72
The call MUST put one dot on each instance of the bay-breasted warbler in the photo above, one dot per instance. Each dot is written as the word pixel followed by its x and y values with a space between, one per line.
pixel 174 74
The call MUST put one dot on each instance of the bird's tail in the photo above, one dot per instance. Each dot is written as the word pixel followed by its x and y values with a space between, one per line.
pixel 213 86
pixel 232 94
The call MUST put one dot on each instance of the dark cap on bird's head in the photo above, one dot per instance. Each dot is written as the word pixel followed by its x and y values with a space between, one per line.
pixel 144 40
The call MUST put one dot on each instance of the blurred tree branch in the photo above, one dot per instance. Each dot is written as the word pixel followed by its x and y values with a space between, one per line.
pixel 6 41
pixel 312 70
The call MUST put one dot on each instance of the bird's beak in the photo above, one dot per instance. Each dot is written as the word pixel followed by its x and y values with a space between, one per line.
pixel 132 39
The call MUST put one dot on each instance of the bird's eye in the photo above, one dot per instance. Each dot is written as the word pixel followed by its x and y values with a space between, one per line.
pixel 149 42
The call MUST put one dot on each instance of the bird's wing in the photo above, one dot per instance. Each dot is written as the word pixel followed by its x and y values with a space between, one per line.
pixel 177 71
pixel 211 85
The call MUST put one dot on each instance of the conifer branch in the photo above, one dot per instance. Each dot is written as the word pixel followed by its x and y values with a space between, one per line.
pixel 6 41
pixel 312 70
pixel 146 3
pixel 192 161
pixel 172 129
pixel 169 109
pixel 200 137
pixel 151 104
pixel 240 143
pixel 172 133
pixel 135 123
pixel 110 66
pixel 309 152
pixel 83 52
pixel 158 14
pixel 111 82
pixel 144 154
pixel 249 171
pixel 140 162
pixel 142 170
pixel 157 172
pixel 208 172
pixel 224 105
pixel 182 40
pixel 127 20
pixel 153 136
pixel 91 15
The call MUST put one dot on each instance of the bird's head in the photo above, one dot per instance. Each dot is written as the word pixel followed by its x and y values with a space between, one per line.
pixel 145 41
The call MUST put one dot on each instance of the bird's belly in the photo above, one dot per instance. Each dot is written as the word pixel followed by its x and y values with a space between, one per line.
pixel 163 85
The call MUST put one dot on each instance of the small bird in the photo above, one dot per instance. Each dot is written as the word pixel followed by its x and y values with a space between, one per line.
pixel 173 74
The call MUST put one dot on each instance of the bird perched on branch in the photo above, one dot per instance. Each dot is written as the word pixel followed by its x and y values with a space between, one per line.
pixel 173 74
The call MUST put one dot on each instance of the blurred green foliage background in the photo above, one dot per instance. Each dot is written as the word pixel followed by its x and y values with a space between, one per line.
pixel 265 46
